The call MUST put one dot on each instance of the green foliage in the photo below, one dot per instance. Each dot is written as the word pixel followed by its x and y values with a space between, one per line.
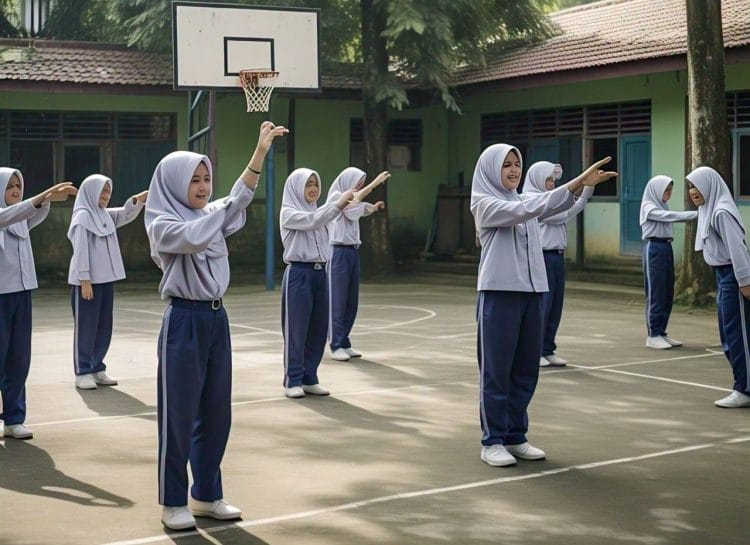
pixel 10 26
pixel 428 39
pixel 83 20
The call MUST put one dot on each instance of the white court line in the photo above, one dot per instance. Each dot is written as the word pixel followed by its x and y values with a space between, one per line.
pixel 663 379
pixel 422 493
pixel 430 314
pixel 250 402
pixel 609 366
pixel 231 324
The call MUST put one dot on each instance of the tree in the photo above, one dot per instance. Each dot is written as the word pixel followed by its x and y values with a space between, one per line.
pixel 424 41
pixel 393 43
pixel 708 131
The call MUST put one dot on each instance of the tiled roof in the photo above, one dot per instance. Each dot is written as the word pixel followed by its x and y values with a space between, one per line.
pixel 609 32
pixel 103 64
pixel 82 62
pixel 593 35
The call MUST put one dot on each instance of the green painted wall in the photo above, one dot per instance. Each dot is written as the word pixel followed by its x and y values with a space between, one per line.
pixel 322 143
pixel 450 149
pixel 52 250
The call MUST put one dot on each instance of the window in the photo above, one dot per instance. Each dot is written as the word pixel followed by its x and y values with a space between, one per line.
pixel 48 147
pixel 26 156
pixel 404 141
pixel 80 161
pixel 603 147
pixel 738 115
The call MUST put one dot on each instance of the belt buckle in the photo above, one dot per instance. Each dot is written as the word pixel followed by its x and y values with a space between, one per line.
pixel 318 266
pixel 216 304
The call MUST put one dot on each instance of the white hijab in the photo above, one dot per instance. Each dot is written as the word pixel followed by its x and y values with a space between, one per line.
pixel 653 196
pixel 486 181
pixel 536 176
pixel 717 198
pixel 348 178
pixel 21 228
pixel 86 209
pixel 168 199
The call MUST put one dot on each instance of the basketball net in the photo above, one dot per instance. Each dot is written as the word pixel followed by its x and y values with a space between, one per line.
pixel 257 94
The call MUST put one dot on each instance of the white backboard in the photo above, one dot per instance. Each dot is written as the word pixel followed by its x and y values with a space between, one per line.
pixel 213 42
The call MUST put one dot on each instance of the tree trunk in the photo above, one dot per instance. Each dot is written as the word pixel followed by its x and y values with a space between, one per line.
pixel 376 248
pixel 708 132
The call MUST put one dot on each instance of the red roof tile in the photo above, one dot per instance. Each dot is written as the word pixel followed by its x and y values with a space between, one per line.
pixel 609 32
pixel 82 62
pixel 598 34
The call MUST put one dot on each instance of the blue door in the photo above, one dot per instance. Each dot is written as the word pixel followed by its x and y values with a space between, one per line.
pixel 635 171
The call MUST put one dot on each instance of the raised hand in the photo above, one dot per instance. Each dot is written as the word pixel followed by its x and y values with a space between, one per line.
pixel 269 131
pixel 58 192
pixel 594 175
pixel 379 179
pixel 140 197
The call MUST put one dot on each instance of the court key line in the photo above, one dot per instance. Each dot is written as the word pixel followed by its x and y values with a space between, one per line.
pixel 422 493
pixel 251 402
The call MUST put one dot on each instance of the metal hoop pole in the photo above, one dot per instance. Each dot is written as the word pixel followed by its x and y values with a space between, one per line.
pixel 270 216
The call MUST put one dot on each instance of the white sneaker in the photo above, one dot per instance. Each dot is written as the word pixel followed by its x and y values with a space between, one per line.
pixel 557 362
pixel 18 431
pixel 315 389
pixel 218 509
pixel 670 340
pixel 104 379
pixel 526 451
pixel 497 456
pixel 352 353
pixel 86 382
pixel 732 401
pixel 543 362
pixel 340 355
pixel 657 343
pixel 294 392
pixel 177 518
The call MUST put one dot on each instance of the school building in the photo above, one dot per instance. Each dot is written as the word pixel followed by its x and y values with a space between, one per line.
pixel 612 81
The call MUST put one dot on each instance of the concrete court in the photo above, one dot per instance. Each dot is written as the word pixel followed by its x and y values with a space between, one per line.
pixel 637 453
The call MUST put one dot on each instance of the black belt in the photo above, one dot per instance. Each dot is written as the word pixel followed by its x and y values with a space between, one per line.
pixel 554 251
pixel 214 304
pixel 317 266
pixel 723 268
pixel 656 239
pixel 353 246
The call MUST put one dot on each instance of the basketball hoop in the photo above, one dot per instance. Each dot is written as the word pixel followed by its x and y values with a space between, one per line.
pixel 258 94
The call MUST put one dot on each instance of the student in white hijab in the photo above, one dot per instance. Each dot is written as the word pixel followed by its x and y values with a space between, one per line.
pixel 186 232
pixel 17 217
pixel 658 259
pixel 721 236
pixel 344 267
pixel 95 266
pixel 540 178
pixel 304 290
pixel 511 281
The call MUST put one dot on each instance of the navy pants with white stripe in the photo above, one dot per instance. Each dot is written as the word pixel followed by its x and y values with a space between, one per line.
pixel 658 279
pixel 733 312
pixel 304 322
pixel 15 354
pixel 343 286
pixel 508 349
pixel 93 327
pixel 194 400
pixel 552 301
